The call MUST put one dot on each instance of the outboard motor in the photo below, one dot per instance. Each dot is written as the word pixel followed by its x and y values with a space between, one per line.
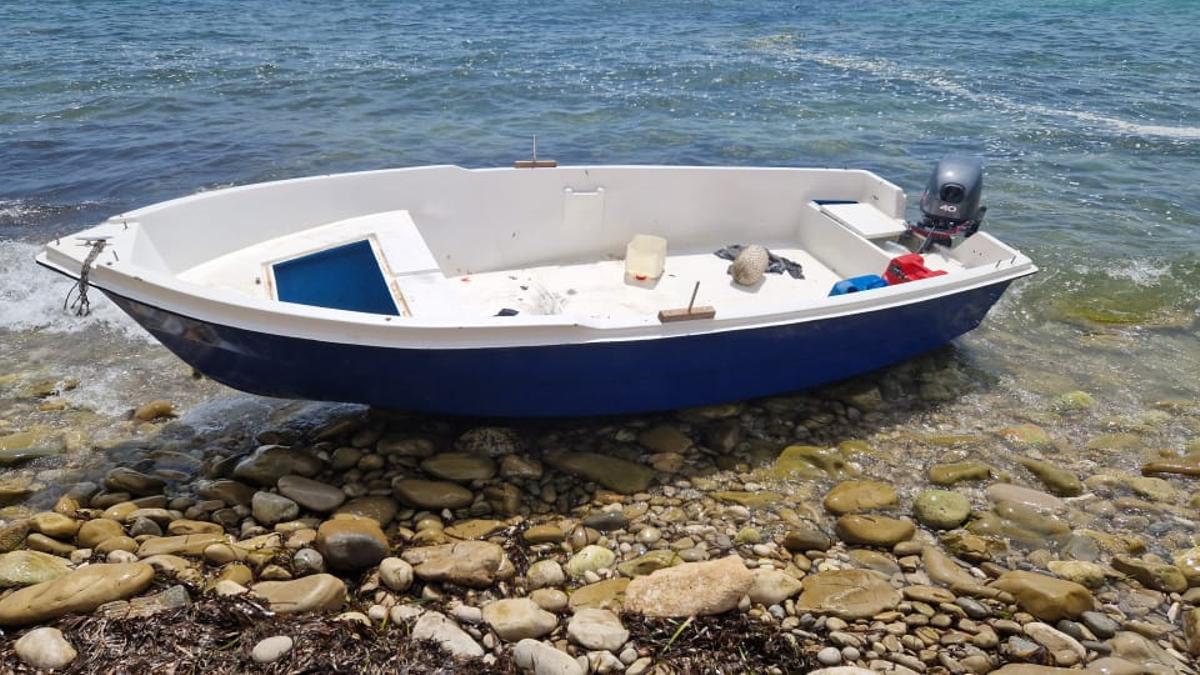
pixel 950 205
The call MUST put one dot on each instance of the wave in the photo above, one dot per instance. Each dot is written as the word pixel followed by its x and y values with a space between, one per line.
pixel 31 298
pixel 892 70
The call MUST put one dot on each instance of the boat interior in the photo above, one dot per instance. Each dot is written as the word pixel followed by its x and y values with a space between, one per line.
pixel 441 242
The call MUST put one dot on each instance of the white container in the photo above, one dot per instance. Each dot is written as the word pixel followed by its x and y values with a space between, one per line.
pixel 645 257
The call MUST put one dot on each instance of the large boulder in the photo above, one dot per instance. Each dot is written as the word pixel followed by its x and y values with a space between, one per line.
pixel 518 618
pixel 772 587
pixel 1159 576
pixel 543 659
pixel 854 496
pixel 349 543
pixel 873 530
pixel 269 508
pixel 613 473
pixel 92 532
pixel 941 509
pixel 184 544
pixel 45 648
pixel 136 483
pixel 442 630
pixel 597 629
pixel 459 466
pixel 1045 597
pixel 266 465
pixel 378 507
pixel 432 494
pixel 315 593
pixel 690 589
pixel 312 495
pixel 26 568
pixel 474 564
pixel 81 591
pixel 607 594
pixel 847 594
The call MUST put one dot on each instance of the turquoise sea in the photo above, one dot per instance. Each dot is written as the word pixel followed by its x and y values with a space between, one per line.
pixel 1087 114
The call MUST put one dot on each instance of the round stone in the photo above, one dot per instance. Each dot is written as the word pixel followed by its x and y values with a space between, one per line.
pixel 348 543
pixel 544 534
pixel 432 494
pixel 45 649
pixel 518 618
pixel 269 508
pixel 550 599
pixel 459 466
pixel 312 495
pixel 941 509
pixel 396 574
pixel 80 591
pixel 97 530
pixel 545 573
pixel 308 561
pixel 590 559
pixel 872 530
pixel 829 656
pixel 26 568
pixel 859 495
pixel 597 629
pixel 270 650
pixel 806 539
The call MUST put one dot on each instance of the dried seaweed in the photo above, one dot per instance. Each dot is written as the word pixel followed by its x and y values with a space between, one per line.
pixel 730 643
pixel 217 634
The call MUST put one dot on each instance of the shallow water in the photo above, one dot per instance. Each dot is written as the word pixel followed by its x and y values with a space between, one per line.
pixel 1088 116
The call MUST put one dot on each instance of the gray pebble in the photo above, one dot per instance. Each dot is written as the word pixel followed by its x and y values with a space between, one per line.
pixel 829 656
pixel 1101 624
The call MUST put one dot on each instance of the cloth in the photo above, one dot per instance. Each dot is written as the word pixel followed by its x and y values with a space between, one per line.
pixel 777 264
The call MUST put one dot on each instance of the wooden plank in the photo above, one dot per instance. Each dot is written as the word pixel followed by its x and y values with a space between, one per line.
pixel 686 314
pixel 535 164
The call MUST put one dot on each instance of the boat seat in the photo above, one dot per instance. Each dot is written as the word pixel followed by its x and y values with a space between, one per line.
pixel 404 249
pixel 865 220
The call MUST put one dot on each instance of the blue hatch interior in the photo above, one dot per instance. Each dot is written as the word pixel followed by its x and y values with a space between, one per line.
pixel 344 277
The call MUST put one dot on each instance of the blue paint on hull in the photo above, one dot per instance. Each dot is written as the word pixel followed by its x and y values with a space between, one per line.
pixel 569 380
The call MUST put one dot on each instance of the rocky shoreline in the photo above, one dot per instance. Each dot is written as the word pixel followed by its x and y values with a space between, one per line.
pixel 851 530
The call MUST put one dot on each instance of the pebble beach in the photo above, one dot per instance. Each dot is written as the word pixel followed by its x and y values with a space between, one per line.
pixel 1024 501
pixel 860 527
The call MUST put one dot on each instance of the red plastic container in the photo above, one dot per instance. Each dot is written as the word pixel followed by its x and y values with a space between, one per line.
pixel 908 267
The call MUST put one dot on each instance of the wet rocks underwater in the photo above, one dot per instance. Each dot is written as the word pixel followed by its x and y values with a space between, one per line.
pixel 914 520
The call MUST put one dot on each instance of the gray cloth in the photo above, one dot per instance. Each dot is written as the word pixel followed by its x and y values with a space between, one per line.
pixel 777 264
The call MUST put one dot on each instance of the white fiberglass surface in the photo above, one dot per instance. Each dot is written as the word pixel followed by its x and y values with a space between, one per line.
pixel 588 290
pixel 599 290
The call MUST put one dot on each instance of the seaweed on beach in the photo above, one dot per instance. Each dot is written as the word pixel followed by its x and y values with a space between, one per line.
pixel 216 635
pixel 725 644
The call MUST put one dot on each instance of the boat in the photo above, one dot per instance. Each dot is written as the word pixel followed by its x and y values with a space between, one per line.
pixel 545 290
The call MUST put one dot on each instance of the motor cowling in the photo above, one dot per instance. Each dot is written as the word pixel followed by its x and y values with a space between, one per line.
pixel 950 206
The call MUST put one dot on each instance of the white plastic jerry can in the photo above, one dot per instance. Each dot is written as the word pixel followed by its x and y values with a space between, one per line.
pixel 645 257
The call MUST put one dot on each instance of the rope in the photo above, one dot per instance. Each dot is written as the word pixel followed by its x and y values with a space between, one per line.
pixel 82 306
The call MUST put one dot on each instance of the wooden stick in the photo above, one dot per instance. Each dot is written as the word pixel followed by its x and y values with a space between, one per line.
pixel 691 313
pixel 535 163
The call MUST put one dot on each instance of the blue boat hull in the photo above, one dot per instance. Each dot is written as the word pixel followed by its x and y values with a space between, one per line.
pixel 568 380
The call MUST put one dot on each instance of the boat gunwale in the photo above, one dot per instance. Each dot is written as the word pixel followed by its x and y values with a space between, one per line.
pixel 450 334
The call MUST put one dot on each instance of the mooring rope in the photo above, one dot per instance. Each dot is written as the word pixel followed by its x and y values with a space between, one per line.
pixel 82 306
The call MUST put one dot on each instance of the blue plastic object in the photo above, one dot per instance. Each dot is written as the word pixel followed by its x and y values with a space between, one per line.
pixel 345 277
pixel 855 284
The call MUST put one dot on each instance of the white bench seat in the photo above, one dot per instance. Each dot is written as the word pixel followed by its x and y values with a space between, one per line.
pixel 867 221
